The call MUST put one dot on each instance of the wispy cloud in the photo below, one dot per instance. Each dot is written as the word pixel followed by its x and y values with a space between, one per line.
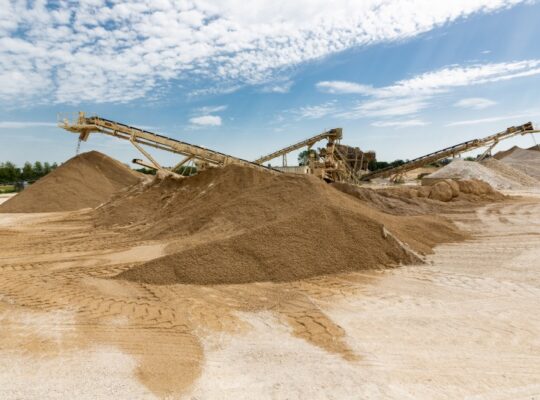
pixel 121 51
pixel 317 111
pixel 206 120
pixel 387 107
pixel 409 96
pixel 210 109
pixel 344 87
pixel 400 124
pixel 513 117
pixel 278 87
pixel 475 103
pixel 25 124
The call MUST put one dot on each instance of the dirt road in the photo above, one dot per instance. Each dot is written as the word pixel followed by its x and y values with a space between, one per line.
pixel 463 325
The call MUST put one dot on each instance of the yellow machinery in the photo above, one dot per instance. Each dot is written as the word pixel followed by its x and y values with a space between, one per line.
pixel 202 157
pixel 335 162
pixel 491 141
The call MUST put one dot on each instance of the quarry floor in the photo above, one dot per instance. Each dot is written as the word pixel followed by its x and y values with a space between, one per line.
pixel 463 325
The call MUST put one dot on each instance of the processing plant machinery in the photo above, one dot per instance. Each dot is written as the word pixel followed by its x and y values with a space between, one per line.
pixel 491 141
pixel 334 163
pixel 202 157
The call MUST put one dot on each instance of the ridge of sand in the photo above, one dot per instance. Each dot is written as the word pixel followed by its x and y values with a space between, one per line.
pixel 86 180
pixel 527 161
pixel 461 169
pixel 238 225
pixel 508 171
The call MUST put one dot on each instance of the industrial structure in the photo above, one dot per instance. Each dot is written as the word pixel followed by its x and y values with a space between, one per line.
pixel 334 163
pixel 199 156
pixel 395 173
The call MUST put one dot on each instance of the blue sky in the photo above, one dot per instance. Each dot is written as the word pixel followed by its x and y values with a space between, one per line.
pixel 402 78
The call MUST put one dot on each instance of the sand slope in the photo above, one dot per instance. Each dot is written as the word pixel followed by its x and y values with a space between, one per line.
pixel 86 180
pixel 237 225
pixel 527 161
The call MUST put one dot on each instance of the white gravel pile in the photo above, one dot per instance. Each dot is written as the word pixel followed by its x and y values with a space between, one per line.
pixel 527 161
pixel 460 169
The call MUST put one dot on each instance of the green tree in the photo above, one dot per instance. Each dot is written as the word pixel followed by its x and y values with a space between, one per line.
pixel 46 168
pixel 303 157
pixel 38 170
pixel 27 172
pixel 9 173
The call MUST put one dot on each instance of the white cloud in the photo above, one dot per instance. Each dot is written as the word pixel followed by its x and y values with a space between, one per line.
pixel 282 87
pixel 343 87
pixel 24 124
pixel 386 107
pixel 475 103
pixel 513 117
pixel 206 120
pixel 109 51
pixel 210 109
pixel 442 80
pixel 314 112
pixel 409 96
pixel 400 124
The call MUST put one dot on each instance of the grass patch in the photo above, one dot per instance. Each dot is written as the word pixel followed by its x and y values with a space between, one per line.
pixel 7 189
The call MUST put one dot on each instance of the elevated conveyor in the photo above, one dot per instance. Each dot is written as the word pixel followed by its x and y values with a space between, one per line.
pixel 84 125
pixel 332 134
pixel 490 141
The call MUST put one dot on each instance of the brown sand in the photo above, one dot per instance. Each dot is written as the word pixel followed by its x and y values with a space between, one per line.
pixel 527 161
pixel 510 172
pixel 503 153
pixel 238 225
pixel 439 197
pixel 64 325
pixel 86 180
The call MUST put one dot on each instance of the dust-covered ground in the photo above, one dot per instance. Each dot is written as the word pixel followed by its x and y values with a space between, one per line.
pixel 463 325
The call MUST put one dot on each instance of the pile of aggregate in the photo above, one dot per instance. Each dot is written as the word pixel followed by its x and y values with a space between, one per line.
pixel 461 169
pixel 236 224
pixel 84 181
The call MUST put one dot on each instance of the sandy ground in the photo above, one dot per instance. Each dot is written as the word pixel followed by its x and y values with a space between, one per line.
pixel 463 325
pixel 5 197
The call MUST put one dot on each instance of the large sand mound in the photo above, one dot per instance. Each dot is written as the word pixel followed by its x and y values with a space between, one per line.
pixel 237 225
pixel 527 161
pixel 419 200
pixel 86 180
pixel 461 169
pixel 509 172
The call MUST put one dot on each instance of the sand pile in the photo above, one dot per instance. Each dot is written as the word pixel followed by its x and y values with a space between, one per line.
pixel 511 173
pixel 527 161
pixel 237 225
pixel 86 180
pixel 461 169
pixel 418 200
pixel 503 153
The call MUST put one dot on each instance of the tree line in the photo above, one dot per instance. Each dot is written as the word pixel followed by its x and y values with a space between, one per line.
pixel 10 173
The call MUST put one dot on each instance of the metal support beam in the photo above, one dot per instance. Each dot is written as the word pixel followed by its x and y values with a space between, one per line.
pixel 453 151
pixel 182 162
pixel 145 153
pixel 83 126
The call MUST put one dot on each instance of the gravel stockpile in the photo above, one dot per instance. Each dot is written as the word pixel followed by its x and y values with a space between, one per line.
pixel 527 161
pixel 238 225
pixel 508 171
pixel 461 169
pixel 86 180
